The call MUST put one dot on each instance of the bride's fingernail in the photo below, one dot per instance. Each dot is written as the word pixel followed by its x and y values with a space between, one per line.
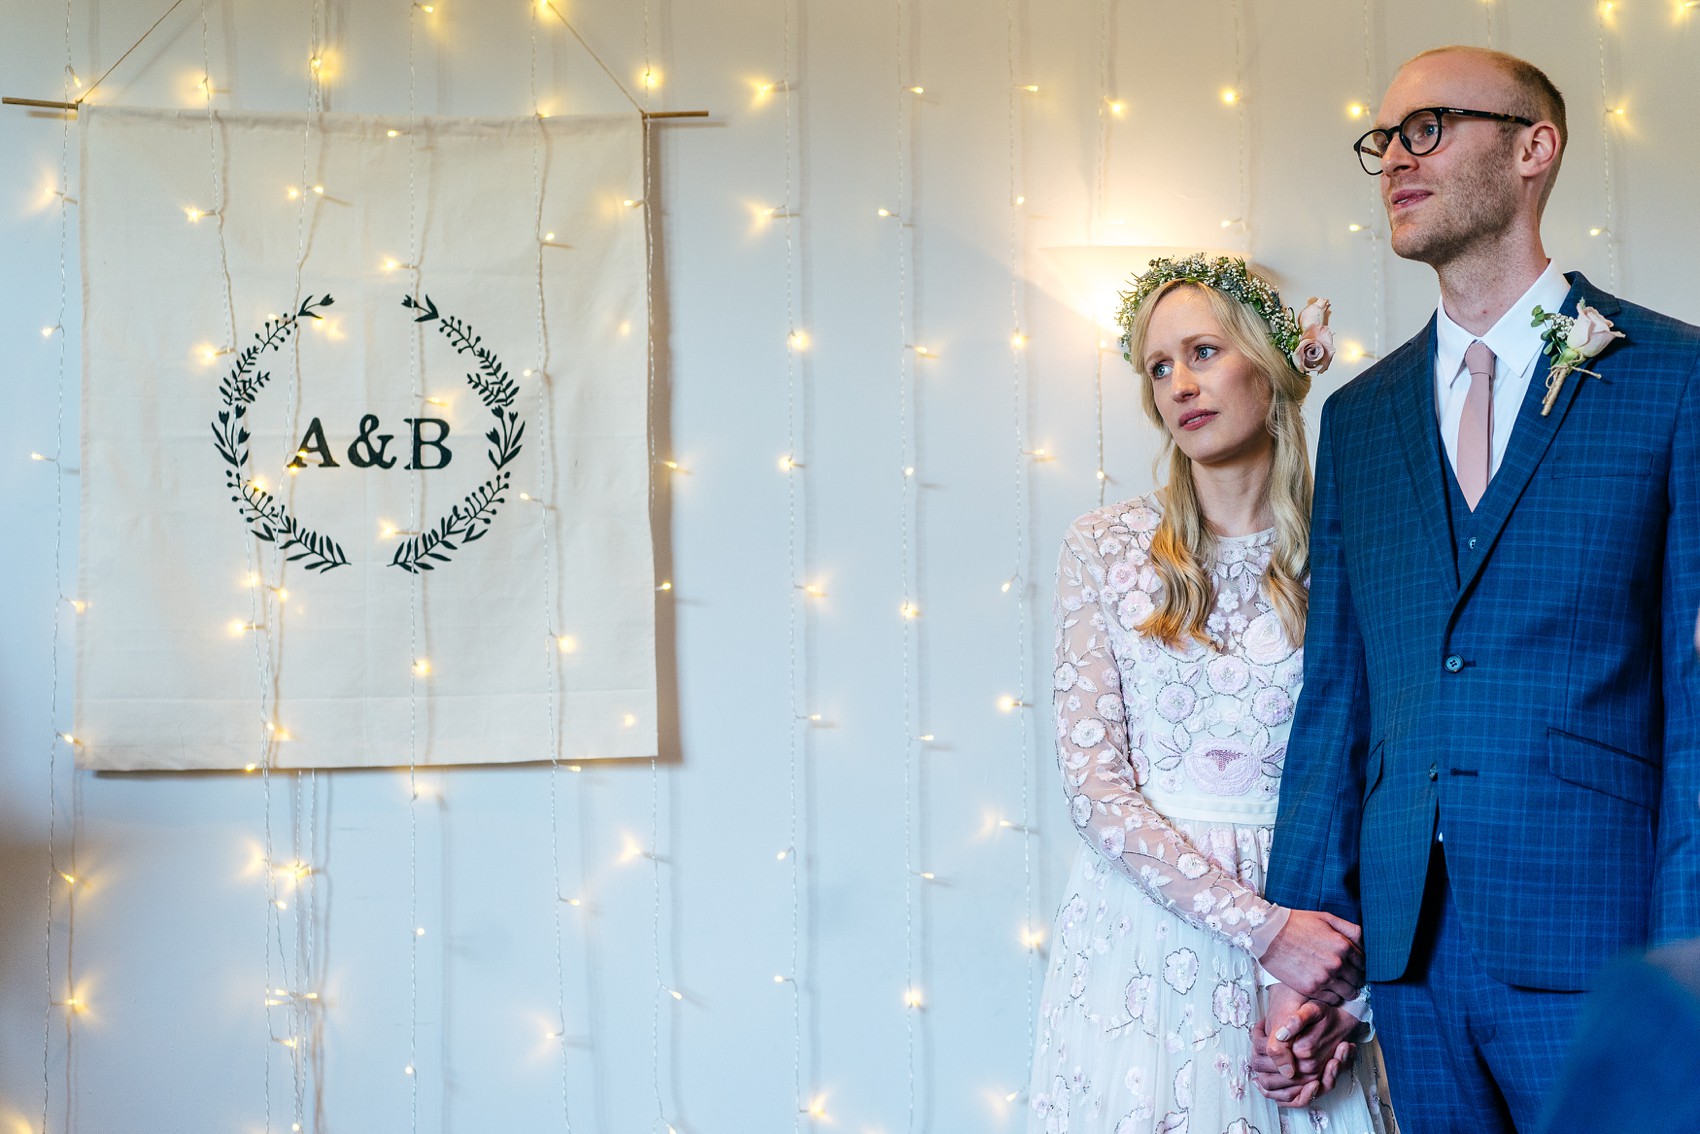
pixel 1283 1035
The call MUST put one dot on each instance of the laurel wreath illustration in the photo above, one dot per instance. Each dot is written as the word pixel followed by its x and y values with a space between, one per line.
pixel 270 519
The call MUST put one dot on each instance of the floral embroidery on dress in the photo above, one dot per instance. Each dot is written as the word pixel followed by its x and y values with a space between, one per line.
pixel 1171 760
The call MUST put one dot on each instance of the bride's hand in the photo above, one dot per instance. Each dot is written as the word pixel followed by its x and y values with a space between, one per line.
pixel 1317 955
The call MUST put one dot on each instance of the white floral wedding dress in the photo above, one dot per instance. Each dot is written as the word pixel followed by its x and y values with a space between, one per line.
pixel 1171 760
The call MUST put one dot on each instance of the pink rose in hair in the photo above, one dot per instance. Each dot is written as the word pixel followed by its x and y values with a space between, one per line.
pixel 1315 349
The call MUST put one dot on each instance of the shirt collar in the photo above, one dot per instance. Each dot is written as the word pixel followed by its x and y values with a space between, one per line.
pixel 1514 342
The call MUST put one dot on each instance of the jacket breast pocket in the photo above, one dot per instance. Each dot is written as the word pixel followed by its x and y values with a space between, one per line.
pixel 1602 768
pixel 1606 463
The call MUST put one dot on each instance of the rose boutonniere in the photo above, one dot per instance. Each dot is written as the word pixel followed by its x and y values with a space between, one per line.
pixel 1569 342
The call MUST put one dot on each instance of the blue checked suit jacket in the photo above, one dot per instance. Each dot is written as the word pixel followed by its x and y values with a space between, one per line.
pixel 1536 696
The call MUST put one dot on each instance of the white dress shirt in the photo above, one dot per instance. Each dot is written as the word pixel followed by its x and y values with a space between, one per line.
pixel 1516 348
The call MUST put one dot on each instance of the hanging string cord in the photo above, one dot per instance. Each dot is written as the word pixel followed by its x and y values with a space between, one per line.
pixel 53 872
pixel 90 89
pixel 640 107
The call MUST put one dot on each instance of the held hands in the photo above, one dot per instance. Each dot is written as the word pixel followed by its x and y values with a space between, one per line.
pixel 1317 955
pixel 1309 1048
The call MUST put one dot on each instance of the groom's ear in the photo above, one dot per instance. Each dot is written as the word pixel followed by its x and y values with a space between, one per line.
pixel 1537 156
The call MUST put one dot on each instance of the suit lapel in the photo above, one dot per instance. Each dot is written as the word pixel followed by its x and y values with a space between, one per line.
pixel 1530 439
pixel 1419 437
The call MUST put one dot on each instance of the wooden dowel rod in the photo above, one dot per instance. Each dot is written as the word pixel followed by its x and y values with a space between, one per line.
pixel 45 104
pixel 653 114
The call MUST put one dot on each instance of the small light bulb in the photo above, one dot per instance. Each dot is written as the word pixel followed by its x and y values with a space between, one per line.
pixel 651 79
pixel 70 879
pixel 667 586
pixel 419 931
pixel 422 667
pixel 408 1070
pixel 631 202
pixel 884 212
pixel 250 767
pixel 566 643
pixel 47 332
pixel 1230 96
pixel 281 904
pixel 925 738
pixel 292 192
pixel 1102 475
pixel 783 855
pixel 1591 231
pixel 909 471
pixel 787 463
pixel 319 189
pixel 1007 704
pixel 38 456
pixel 675 994
pixel 315 62
pixel 799 340
pixel 928 875
pixel 1018 340
pixel 1031 88
pixel 548 236
pixel 912 998
pixel 909 610
pixel 1356 110
pixel 917 90
pixel 393 133
pixel 924 352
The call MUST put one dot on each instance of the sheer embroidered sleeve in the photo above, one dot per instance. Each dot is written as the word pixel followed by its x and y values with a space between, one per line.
pixel 1102 767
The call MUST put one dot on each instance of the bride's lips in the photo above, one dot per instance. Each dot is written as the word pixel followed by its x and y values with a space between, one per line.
pixel 1197 419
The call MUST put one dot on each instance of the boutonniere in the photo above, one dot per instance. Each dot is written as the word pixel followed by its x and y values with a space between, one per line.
pixel 1569 342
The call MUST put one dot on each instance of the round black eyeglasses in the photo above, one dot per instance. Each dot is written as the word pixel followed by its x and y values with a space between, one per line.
pixel 1419 133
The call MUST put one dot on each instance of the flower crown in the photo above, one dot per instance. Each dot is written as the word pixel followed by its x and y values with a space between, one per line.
pixel 1303 336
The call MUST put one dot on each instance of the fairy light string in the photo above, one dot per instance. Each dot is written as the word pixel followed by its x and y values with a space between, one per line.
pixel 55 875
pixel 1021 519
pixel 1607 113
pixel 662 990
pixel 416 592
pixel 797 597
pixel 552 646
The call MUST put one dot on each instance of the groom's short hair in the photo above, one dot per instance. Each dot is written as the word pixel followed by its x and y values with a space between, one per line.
pixel 1533 96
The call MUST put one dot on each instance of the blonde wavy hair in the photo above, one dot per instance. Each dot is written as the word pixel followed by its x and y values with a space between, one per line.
pixel 1183 541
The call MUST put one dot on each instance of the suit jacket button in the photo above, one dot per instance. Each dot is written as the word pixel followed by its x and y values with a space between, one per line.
pixel 1454 663
pixel 1472 543
pixel 1434 771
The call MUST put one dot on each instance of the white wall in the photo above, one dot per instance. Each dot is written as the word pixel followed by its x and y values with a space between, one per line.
pixel 169 953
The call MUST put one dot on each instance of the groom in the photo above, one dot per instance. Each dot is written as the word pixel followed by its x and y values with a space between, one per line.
pixel 1495 760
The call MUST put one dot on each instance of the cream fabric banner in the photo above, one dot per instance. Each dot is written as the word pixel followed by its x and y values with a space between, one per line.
pixel 367 481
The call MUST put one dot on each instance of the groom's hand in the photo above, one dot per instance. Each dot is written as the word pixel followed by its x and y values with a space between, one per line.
pixel 1317 955
pixel 1300 1089
pixel 1301 1061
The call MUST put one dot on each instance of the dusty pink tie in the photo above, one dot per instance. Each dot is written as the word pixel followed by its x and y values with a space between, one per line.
pixel 1475 428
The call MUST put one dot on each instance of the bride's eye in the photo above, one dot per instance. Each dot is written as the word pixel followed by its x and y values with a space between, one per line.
pixel 1205 350
pixel 1161 371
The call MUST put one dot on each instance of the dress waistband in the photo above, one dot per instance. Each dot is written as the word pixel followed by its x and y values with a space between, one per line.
pixel 1244 810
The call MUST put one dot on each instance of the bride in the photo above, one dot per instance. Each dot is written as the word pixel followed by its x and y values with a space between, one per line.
pixel 1176 673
